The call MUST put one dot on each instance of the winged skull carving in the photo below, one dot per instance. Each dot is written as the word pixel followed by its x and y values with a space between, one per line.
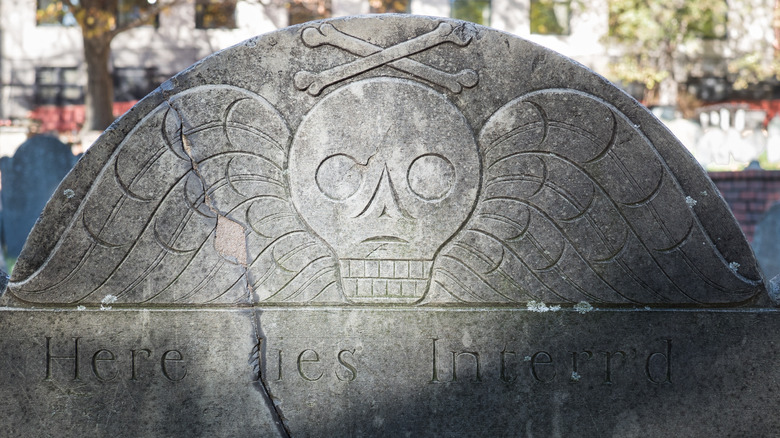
pixel 572 203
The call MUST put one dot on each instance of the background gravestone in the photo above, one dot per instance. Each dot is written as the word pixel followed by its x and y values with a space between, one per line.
pixel 29 179
pixel 766 241
pixel 388 225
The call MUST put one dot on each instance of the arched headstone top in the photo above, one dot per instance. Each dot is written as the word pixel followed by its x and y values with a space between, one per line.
pixel 387 160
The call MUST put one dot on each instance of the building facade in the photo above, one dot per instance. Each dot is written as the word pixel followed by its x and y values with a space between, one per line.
pixel 42 65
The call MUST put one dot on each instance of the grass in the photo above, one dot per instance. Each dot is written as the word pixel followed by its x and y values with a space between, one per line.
pixel 9 263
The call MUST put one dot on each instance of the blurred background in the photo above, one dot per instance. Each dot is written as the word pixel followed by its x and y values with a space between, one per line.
pixel 709 69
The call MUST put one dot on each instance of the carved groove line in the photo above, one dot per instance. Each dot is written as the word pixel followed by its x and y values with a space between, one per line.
pixel 659 158
pixel 626 221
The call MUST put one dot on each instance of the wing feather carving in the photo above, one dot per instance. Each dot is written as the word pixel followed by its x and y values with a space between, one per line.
pixel 146 232
pixel 581 207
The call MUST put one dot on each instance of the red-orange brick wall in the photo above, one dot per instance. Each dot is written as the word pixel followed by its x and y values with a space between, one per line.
pixel 749 193
pixel 68 118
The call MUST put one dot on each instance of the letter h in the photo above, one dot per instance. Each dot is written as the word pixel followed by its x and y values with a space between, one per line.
pixel 50 357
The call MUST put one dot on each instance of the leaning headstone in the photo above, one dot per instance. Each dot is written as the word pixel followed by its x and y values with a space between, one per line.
pixel 28 181
pixel 766 242
pixel 388 225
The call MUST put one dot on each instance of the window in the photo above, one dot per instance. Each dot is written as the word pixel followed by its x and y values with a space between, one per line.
pixel 133 83
pixel 388 6
pixel 131 10
pixel 550 17
pixel 301 11
pixel 58 86
pixel 476 11
pixel 710 89
pixel 213 14
pixel 53 12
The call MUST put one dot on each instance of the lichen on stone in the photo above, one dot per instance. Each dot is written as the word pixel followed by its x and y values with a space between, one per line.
pixel 538 306
pixel 583 307
pixel 106 301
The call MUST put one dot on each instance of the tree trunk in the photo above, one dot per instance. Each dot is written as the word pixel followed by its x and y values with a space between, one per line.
pixel 776 28
pixel 667 92
pixel 669 86
pixel 99 101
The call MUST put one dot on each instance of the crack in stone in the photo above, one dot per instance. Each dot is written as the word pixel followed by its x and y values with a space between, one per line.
pixel 230 236
pixel 230 243
pixel 258 363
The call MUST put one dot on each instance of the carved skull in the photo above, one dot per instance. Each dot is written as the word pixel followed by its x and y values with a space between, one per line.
pixel 385 171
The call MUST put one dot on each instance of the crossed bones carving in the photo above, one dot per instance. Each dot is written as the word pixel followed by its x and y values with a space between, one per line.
pixel 374 56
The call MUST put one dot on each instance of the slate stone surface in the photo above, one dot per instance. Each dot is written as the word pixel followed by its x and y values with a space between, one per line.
pixel 387 225
pixel 29 179
pixel 133 374
pixel 370 372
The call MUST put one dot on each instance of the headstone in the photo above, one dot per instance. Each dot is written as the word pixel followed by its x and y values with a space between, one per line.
pixel 766 242
pixel 715 118
pixel 739 119
pixel 704 119
pixel 28 180
pixel 773 140
pixel 725 119
pixel 388 225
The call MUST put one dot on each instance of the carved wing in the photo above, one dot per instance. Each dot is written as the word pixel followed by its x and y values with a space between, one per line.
pixel 578 205
pixel 192 207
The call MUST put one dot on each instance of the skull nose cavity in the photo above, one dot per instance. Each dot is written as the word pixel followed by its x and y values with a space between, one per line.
pixel 384 201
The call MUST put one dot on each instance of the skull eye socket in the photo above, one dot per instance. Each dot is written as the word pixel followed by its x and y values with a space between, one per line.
pixel 339 177
pixel 431 176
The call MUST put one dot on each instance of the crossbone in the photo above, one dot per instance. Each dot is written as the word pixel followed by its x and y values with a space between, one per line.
pixel 374 56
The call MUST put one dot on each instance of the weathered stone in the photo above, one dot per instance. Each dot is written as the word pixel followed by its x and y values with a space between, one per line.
pixel 29 179
pixel 138 373
pixel 382 226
